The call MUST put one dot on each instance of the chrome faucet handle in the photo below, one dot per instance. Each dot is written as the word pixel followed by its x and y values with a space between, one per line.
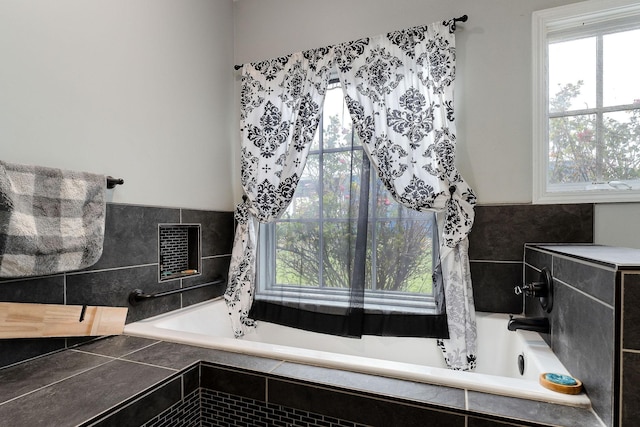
pixel 517 290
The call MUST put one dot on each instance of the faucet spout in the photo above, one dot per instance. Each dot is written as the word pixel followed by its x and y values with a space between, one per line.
pixel 535 324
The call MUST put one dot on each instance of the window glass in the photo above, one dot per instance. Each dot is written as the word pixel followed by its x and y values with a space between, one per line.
pixel 621 68
pixel 572 75
pixel 312 246
pixel 572 149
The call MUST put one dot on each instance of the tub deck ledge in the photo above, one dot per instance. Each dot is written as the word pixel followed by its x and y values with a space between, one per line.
pixel 85 384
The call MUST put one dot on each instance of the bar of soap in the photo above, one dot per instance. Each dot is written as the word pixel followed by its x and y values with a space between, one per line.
pixel 561 379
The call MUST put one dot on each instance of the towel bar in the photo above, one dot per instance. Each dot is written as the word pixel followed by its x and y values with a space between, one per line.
pixel 136 296
pixel 112 182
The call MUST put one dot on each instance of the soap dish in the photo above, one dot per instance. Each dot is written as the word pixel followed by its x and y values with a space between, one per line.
pixel 561 383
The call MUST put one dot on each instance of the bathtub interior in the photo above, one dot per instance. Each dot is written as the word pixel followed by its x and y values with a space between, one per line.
pixel 418 359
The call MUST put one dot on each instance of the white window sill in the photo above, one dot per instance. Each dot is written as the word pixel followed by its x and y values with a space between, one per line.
pixel 594 195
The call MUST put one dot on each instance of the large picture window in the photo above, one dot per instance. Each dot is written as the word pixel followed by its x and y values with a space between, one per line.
pixel 587 103
pixel 342 219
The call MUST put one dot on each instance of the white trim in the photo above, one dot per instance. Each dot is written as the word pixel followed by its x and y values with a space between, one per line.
pixel 554 20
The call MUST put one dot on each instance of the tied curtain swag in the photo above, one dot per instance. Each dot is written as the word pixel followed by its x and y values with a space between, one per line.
pixel 398 89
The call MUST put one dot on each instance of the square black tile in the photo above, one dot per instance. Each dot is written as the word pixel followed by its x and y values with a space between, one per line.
pixel 143 408
pixel 591 279
pixel 217 230
pixel 34 374
pixel 630 388
pixel 493 286
pixel 42 290
pixel 500 232
pixel 233 382
pixel 131 235
pixel 20 349
pixel 631 313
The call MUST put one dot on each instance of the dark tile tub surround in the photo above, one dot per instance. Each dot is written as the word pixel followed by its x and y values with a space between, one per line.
pixel 129 261
pixel 497 239
pixel 128 381
pixel 594 321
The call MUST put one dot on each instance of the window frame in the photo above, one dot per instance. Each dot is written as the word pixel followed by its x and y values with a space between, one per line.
pixel 544 24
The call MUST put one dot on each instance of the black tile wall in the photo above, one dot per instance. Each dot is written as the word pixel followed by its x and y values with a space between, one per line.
pixel 233 382
pixel 45 290
pixel 112 287
pixel 202 404
pixel 582 331
pixel 223 409
pixel 34 374
pixel 131 235
pixel 356 408
pixel 497 240
pixel 435 395
pixel 213 268
pixel 148 406
pixel 630 389
pixel 591 279
pixel 114 377
pixel 116 381
pixel 17 350
pixel 630 349
pixel 215 240
pixel 129 261
pixel 174 400
pixel 499 232
pixel 631 317
pixel 493 284
pixel 583 323
pixel 186 413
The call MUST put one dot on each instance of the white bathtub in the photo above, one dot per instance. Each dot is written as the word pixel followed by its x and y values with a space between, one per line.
pixel 417 359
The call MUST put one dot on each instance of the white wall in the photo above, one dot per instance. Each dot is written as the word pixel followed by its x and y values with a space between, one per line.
pixel 137 89
pixel 493 80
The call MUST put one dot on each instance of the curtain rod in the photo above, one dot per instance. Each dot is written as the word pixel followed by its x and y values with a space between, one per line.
pixel 463 18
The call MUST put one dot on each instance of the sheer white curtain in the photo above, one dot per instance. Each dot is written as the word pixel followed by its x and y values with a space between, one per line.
pixel 399 89
pixel 281 102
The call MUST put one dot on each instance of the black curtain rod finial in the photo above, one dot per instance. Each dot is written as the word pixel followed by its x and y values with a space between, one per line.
pixel 463 18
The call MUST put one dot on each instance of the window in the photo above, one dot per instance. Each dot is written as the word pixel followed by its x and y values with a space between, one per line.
pixel 310 253
pixel 587 102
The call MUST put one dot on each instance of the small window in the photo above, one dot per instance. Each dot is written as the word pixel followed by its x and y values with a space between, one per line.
pixel 586 124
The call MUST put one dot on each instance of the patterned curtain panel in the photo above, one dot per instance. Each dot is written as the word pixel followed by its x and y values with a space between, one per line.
pixel 399 90
pixel 281 102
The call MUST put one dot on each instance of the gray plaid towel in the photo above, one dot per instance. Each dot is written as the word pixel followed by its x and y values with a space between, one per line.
pixel 51 220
